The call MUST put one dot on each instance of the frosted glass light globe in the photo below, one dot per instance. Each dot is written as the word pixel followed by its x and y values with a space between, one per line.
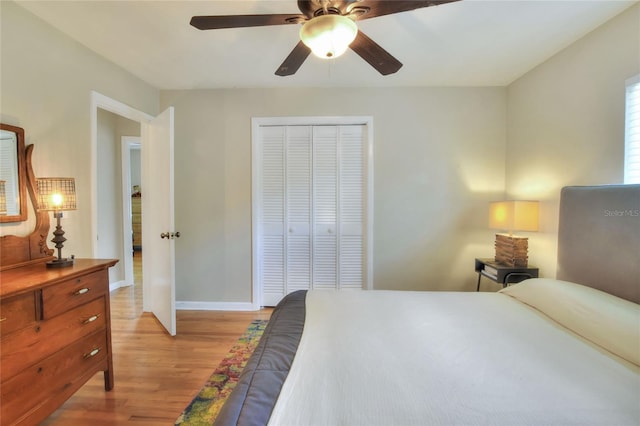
pixel 328 36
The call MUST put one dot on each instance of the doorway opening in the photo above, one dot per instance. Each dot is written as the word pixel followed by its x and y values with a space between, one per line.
pixel 116 131
pixel 132 217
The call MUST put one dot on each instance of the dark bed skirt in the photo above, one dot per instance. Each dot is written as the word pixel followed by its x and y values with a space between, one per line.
pixel 258 388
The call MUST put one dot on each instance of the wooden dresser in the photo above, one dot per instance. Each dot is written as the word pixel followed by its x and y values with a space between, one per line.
pixel 136 222
pixel 55 323
pixel 55 334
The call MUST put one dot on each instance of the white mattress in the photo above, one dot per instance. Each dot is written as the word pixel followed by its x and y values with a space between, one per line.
pixel 439 358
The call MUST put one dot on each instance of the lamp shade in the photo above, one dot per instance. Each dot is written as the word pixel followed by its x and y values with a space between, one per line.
pixel 3 198
pixel 328 36
pixel 56 194
pixel 514 215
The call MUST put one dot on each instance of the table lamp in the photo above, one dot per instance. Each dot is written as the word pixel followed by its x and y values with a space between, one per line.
pixel 513 216
pixel 57 195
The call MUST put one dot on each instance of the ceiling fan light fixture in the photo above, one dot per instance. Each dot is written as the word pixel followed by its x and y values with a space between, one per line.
pixel 328 36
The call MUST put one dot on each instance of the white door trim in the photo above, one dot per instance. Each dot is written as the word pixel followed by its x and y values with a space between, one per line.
pixel 256 123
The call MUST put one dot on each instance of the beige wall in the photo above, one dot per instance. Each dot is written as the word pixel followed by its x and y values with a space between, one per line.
pixel 438 160
pixel 566 123
pixel 46 80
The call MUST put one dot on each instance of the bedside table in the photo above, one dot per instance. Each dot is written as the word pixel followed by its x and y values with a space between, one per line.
pixel 503 274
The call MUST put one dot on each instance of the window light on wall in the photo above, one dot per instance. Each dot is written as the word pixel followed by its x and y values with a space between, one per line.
pixel 632 131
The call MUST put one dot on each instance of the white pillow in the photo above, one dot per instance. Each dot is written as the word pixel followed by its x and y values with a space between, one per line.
pixel 608 321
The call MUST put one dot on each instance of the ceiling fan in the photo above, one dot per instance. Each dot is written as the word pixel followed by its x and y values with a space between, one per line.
pixel 328 29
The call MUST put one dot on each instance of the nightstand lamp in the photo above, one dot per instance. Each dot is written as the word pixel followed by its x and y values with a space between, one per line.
pixel 57 195
pixel 513 216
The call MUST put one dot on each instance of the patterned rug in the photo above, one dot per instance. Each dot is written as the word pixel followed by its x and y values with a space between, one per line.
pixel 205 406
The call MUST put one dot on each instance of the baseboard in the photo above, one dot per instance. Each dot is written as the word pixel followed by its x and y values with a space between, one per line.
pixel 117 285
pixel 214 306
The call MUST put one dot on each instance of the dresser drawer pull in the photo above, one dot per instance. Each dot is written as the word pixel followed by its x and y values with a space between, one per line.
pixel 90 319
pixel 92 353
pixel 81 291
pixel 2 319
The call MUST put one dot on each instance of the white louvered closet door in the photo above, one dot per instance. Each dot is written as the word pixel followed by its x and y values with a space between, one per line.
pixel 338 207
pixel 272 214
pixel 311 210
pixel 325 206
pixel 298 208
pixel 351 211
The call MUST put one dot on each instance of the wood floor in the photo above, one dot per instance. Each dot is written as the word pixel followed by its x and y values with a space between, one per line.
pixel 156 375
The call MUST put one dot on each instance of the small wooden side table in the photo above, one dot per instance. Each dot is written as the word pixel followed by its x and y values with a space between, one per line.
pixel 503 274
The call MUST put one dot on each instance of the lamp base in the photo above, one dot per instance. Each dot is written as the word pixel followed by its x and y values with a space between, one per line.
pixel 60 263
pixel 512 251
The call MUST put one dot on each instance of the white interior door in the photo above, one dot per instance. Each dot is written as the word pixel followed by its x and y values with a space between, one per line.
pixel 158 233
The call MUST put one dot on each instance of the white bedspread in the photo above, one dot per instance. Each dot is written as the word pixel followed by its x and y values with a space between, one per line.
pixel 438 358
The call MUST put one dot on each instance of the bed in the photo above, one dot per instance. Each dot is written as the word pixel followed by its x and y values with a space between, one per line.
pixel 562 351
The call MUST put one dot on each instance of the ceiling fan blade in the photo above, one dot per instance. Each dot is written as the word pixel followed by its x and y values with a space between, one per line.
pixel 294 60
pixel 241 21
pixel 375 55
pixel 388 7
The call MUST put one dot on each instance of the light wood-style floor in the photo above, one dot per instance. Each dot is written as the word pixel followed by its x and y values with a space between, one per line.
pixel 156 375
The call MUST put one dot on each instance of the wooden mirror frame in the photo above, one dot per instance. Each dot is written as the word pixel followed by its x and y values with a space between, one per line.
pixel 16 251
pixel 22 192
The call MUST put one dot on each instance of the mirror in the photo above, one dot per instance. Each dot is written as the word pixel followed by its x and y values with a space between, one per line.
pixel 13 205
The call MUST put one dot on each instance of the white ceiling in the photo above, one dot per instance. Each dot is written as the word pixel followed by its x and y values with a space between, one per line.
pixel 468 43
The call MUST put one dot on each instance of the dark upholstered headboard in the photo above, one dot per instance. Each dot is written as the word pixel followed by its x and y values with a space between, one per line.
pixel 599 238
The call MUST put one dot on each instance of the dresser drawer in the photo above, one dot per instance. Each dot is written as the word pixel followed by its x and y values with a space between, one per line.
pixel 17 312
pixel 75 292
pixel 27 346
pixel 51 376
